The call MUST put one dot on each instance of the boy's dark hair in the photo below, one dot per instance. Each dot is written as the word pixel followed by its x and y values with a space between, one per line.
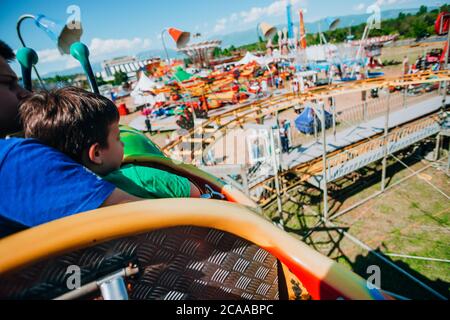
pixel 68 119
pixel 6 52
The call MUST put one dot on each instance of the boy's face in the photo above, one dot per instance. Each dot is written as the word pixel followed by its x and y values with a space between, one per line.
pixel 10 96
pixel 112 155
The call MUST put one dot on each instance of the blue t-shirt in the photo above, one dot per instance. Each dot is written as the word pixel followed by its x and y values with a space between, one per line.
pixel 39 184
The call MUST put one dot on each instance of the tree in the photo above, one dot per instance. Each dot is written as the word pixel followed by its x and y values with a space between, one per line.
pixel 100 81
pixel 187 62
pixel 420 29
pixel 217 52
pixel 275 39
pixel 119 78
pixel 422 10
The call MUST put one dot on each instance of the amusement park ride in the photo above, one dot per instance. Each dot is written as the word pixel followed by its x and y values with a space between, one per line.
pixel 217 247
pixel 168 248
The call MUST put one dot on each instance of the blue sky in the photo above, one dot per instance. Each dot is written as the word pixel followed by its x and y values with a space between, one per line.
pixel 113 28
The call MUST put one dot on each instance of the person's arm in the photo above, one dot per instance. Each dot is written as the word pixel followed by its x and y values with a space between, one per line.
pixel 195 192
pixel 40 184
pixel 118 197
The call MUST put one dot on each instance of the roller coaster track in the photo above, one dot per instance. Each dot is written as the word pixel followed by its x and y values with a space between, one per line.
pixel 257 110
pixel 346 160
pixel 340 162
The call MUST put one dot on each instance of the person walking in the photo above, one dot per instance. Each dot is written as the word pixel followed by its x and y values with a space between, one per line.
pixel 284 136
pixel 148 123
pixel 405 65
pixel 294 84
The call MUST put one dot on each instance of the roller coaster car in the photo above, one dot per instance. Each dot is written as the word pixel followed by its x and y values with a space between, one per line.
pixel 322 82
pixel 421 88
pixel 138 149
pixel 170 249
pixel 428 87
pixel 393 89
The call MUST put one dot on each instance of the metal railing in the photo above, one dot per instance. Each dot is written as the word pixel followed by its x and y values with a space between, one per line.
pixel 359 156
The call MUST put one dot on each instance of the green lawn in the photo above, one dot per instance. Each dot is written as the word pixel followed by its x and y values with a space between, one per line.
pixel 411 218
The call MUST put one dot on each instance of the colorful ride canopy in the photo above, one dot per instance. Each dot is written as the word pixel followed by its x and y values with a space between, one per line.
pixel 181 75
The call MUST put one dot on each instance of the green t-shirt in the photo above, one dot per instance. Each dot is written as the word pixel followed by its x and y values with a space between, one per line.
pixel 149 183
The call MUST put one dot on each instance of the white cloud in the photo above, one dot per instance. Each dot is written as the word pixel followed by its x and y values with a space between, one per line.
pixel 254 14
pixel 147 43
pixel 359 7
pixel 50 55
pixel 386 2
pixel 99 47
pixel 244 18
pixel 220 25
pixel 71 62
pixel 53 56
pixel 276 9
pixel 234 17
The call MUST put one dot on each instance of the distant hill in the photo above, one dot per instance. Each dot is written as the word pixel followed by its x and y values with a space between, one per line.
pixel 96 67
pixel 158 53
pixel 249 36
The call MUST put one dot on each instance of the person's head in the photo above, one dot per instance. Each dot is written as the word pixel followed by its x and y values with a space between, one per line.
pixel 81 124
pixel 10 93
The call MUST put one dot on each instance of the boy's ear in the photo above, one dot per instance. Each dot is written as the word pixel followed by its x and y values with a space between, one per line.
pixel 94 154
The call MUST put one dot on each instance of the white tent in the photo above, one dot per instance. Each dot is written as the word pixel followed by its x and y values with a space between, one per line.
pixel 250 58
pixel 144 85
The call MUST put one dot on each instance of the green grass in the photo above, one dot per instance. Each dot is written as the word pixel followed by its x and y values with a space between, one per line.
pixel 410 219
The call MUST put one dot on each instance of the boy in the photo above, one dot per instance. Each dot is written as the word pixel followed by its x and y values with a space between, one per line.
pixel 39 184
pixel 85 126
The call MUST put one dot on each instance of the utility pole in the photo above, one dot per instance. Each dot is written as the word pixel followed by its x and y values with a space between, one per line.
pixel 444 95
pixel 364 101
pixel 405 91
pixel 385 142
pixel 333 109
pixel 276 167
pixel 324 162
pixel 448 160
pixel 438 147
pixel 315 125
